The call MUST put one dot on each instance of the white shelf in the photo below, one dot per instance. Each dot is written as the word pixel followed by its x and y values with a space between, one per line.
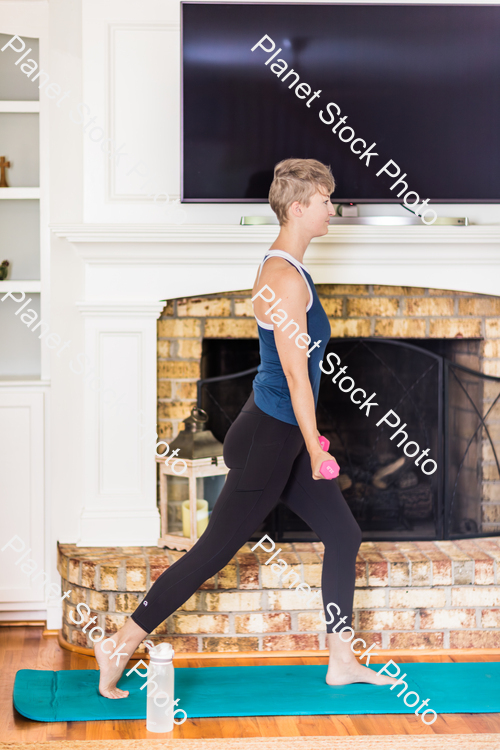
pixel 11 285
pixel 10 381
pixel 18 106
pixel 19 193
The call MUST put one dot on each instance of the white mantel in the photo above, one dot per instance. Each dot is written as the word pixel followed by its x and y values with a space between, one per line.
pixel 139 262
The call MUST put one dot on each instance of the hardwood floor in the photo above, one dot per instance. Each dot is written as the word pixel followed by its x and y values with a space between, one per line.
pixel 25 648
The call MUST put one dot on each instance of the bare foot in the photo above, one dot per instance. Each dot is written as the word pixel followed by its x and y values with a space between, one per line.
pixel 110 671
pixel 353 671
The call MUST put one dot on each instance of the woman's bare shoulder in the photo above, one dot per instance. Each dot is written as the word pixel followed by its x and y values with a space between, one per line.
pixel 282 277
pixel 280 267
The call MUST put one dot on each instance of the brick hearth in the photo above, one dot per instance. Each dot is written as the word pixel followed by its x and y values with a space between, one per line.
pixel 408 595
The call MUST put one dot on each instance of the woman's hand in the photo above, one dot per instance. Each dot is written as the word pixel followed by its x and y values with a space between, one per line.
pixel 317 459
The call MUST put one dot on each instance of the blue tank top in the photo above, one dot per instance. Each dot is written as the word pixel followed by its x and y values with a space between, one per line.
pixel 271 393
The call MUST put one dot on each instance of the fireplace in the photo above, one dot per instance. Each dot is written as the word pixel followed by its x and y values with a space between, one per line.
pixel 426 401
pixel 425 354
pixel 408 594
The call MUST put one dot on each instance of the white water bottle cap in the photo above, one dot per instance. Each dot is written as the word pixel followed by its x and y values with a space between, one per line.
pixel 163 653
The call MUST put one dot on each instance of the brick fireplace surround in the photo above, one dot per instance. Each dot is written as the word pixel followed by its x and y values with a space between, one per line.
pixel 409 595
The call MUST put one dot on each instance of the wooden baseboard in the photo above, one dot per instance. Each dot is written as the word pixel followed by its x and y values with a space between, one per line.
pixel 389 654
pixel 23 624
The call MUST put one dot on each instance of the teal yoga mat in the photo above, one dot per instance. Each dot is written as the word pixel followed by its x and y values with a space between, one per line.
pixel 260 691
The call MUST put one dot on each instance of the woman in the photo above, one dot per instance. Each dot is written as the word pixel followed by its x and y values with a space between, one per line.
pixel 272 448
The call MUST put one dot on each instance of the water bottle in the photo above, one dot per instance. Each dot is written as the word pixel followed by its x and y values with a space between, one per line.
pixel 160 686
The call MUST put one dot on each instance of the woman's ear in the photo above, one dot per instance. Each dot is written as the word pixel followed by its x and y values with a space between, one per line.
pixel 296 208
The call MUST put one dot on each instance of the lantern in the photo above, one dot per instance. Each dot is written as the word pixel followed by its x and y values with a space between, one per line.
pixel 194 492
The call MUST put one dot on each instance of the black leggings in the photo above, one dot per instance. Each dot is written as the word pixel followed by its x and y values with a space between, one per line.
pixel 268 462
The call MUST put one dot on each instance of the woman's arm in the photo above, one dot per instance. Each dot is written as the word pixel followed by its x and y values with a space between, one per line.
pixel 291 288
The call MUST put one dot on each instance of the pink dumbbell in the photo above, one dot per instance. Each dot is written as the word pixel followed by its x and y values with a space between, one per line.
pixel 329 469
pixel 324 442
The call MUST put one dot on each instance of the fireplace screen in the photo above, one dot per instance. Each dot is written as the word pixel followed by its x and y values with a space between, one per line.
pixel 420 462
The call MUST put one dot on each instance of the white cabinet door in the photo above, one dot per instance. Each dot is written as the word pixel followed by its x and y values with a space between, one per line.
pixel 21 498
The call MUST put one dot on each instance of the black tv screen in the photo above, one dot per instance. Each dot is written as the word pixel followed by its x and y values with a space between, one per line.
pixel 421 82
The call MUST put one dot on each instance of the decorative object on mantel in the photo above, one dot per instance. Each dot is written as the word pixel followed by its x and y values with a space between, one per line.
pixel 459 221
pixel 258 220
pixel 202 453
pixel 4 270
pixel 3 168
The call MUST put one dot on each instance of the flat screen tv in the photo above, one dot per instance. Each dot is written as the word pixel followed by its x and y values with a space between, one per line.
pixel 420 82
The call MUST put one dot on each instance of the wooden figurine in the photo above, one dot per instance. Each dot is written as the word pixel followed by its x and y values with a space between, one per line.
pixel 4 164
pixel 4 270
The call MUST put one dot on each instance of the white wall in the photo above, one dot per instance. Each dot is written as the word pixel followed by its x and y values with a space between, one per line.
pixel 131 56
pixel 66 273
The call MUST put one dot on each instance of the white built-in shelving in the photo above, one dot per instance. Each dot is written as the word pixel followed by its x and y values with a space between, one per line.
pixel 20 219
pixel 24 372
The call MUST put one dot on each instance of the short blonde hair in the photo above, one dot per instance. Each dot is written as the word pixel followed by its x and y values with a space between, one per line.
pixel 298 180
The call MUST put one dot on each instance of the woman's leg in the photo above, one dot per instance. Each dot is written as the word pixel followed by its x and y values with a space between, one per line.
pixel 260 452
pixel 322 506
